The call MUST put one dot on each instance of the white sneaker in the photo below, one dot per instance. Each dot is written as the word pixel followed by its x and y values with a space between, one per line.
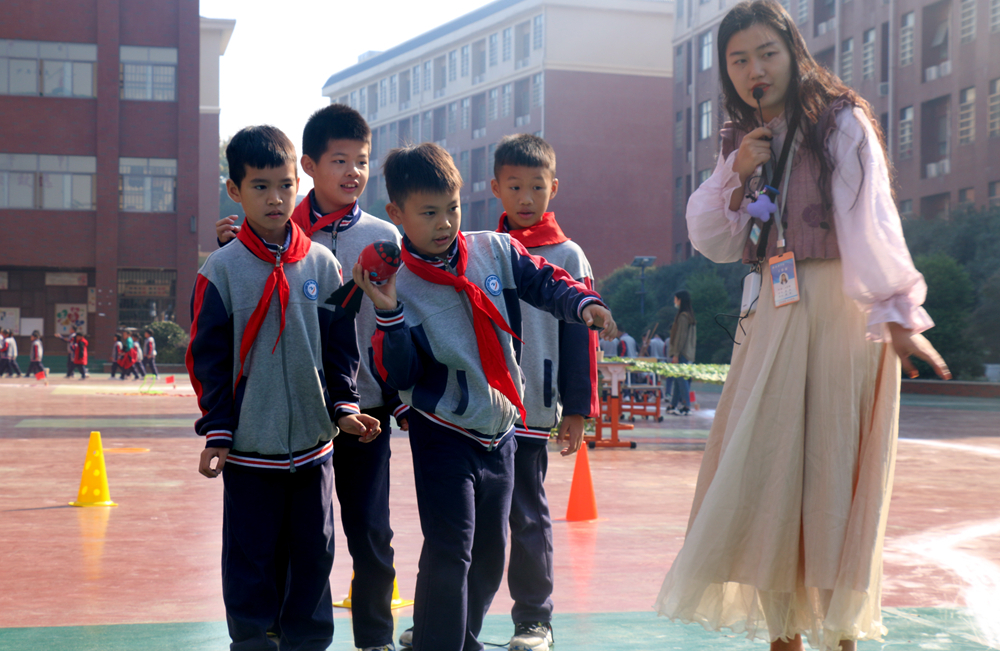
pixel 532 636
pixel 406 639
pixel 384 647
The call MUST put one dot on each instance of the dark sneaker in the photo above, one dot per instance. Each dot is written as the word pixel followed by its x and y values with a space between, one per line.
pixel 384 647
pixel 406 639
pixel 532 636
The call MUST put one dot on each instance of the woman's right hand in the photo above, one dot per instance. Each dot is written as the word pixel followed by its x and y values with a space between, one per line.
pixel 754 151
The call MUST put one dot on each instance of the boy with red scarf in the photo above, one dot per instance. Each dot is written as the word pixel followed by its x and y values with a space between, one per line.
pixel 560 368
pixel 270 412
pixel 452 353
pixel 336 144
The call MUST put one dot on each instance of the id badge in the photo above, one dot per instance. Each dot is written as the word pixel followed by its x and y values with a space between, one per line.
pixel 755 234
pixel 784 279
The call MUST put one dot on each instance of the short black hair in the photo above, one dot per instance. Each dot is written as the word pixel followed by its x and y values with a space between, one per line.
pixel 523 150
pixel 419 168
pixel 263 147
pixel 333 122
pixel 35 333
pixel 149 330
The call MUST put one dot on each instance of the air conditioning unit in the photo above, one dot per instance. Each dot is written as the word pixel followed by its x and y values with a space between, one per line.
pixel 521 63
pixel 439 93
pixel 932 170
pixel 404 106
pixel 478 133
pixel 478 79
pixel 690 155
pixel 479 186
pixel 930 74
pixel 944 166
pixel 372 117
pixel 883 88
pixel 820 29
pixel 944 69
pixel 522 120
pixel 443 143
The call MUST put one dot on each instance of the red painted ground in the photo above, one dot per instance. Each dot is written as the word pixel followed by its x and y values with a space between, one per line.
pixel 155 558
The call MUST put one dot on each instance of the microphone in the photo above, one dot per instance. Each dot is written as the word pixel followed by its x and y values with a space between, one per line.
pixel 758 92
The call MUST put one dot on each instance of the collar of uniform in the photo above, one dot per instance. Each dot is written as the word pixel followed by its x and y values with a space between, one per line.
pixel 340 225
pixel 274 247
pixel 436 261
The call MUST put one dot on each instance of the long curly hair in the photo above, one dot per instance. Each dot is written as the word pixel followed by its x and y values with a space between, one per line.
pixel 811 90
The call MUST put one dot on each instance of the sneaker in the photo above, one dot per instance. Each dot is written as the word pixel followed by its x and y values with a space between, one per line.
pixel 683 411
pixel 406 639
pixel 531 636
pixel 384 647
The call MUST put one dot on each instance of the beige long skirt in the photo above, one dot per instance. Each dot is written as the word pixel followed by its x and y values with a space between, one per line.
pixel 786 530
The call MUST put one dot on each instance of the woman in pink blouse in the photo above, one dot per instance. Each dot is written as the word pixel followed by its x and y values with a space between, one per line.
pixel 786 530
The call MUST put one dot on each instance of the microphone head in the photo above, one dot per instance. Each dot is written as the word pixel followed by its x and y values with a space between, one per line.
pixel 758 92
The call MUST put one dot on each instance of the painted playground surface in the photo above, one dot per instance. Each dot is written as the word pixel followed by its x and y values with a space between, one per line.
pixel 145 575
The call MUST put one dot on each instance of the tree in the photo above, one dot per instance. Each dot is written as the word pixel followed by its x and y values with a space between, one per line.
pixel 709 298
pixel 223 161
pixel 950 300
pixel 986 317
pixel 171 342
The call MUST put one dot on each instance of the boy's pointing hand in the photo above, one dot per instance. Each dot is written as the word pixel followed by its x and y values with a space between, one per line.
pixel 598 317
pixel 363 425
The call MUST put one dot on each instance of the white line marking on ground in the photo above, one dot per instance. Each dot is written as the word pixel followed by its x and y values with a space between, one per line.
pixel 958 447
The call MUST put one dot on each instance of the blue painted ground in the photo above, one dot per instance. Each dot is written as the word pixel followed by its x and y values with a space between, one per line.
pixel 909 628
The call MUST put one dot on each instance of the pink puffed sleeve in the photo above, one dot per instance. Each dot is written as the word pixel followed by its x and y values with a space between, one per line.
pixel 878 271
pixel 717 232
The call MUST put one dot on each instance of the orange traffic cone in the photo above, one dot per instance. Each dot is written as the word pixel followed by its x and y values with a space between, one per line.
pixel 94 482
pixel 582 503
pixel 396 602
pixel 694 401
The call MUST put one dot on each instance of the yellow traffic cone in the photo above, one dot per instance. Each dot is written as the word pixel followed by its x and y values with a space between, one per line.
pixel 397 602
pixel 94 482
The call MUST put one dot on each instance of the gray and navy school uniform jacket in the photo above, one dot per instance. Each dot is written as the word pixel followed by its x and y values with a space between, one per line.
pixel 149 351
pixel 558 359
pixel 283 411
pixel 11 352
pixel 426 348
pixel 37 350
pixel 347 238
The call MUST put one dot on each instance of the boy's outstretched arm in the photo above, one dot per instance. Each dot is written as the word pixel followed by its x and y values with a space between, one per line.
pixel 550 288
pixel 209 362
pixel 396 355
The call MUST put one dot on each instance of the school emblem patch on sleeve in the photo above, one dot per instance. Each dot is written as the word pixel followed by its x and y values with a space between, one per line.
pixel 493 285
pixel 310 289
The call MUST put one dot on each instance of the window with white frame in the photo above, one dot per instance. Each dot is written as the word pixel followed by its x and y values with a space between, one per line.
pixel 906 28
pixel 453 117
pixel 393 91
pixel 362 100
pixel 994 193
pixel 147 184
pixel 967 21
pixel 494 101
pixel 453 65
pixel 506 100
pixel 705 120
pixel 804 11
pixel 42 182
pixel 703 175
pixel 508 43
pixel 148 73
pixel 967 115
pixel 414 80
pixel 536 89
pixel 906 208
pixel 868 55
pixel 679 130
pixel 994 16
pixel 993 116
pixel 465 60
pixel 538 31
pixel 967 196
pixel 906 132
pixel 428 74
pixel 383 87
pixel 494 49
pixel 705 45
pixel 47 69
pixel 466 112
pixel 847 61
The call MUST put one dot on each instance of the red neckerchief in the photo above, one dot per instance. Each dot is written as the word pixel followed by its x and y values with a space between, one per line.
pixel 298 247
pixel 545 232
pixel 300 217
pixel 484 316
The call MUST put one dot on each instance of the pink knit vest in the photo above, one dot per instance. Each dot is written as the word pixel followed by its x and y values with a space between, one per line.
pixel 810 231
